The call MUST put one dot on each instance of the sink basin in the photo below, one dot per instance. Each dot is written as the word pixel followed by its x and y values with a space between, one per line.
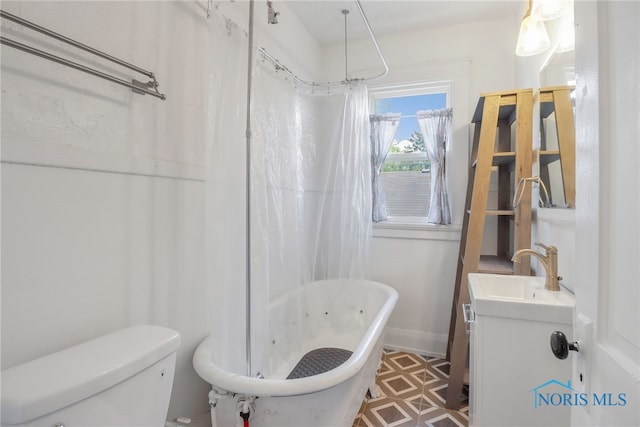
pixel 519 297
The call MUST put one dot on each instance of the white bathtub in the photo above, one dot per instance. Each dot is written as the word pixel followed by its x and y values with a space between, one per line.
pixel 333 313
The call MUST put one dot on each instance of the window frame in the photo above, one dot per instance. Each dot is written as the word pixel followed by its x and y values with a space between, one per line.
pixel 412 226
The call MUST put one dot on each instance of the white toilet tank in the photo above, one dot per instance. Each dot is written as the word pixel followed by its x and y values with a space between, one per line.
pixel 120 379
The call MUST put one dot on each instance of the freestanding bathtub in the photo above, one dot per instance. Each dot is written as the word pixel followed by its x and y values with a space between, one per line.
pixel 345 314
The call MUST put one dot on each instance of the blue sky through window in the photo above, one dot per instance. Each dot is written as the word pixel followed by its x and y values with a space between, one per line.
pixel 408 106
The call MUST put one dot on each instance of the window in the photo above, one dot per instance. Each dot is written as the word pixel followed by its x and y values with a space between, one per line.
pixel 405 173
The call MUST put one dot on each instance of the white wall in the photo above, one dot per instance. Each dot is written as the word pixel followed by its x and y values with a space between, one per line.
pixel 288 41
pixel 421 265
pixel 103 204
pixel 102 191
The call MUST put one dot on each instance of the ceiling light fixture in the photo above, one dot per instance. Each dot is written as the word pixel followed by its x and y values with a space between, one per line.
pixel 547 10
pixel 533 38
pixel 567 34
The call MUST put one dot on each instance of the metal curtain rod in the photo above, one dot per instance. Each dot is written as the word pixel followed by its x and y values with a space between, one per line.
pixel 375 43
pixel 136 86
pixel 280 66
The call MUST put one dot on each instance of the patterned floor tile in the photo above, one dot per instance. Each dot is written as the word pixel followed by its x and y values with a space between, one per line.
pixel 356 421
pixel 400 385
pixel 403 362
pixel 435 394
pixel 385 412
pixel 413 392
pixel 438 368
pixel 434 416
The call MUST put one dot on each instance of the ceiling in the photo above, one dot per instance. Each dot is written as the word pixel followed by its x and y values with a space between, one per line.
pixel 325 21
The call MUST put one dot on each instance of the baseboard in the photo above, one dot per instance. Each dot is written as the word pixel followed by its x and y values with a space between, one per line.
pixel 425 343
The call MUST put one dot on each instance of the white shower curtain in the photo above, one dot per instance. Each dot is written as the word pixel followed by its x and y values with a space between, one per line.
pixel 435 126
pixel 225 248
pixel 383 130
pixel 310 193
pixel 311 186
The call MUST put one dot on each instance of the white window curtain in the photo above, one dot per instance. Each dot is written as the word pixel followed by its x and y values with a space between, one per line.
pixel 383 129
pixel 435 126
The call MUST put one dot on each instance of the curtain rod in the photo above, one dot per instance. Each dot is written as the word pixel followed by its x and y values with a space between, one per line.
pixel 279 66
pixel 136 86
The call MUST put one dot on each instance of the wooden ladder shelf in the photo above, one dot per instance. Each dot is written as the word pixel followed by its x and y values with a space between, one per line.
pixel 494 147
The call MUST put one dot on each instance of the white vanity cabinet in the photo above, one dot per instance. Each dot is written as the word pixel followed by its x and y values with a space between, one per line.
pixel 515 380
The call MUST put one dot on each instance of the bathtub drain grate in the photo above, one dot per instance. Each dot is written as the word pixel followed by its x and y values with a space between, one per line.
pixel 318 361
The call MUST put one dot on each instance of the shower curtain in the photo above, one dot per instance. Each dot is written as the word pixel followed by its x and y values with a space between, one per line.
pixel 225 244
pixel 310 197
pixel 311 186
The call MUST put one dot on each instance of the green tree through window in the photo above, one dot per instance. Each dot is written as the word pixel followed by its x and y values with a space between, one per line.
pixel 417 143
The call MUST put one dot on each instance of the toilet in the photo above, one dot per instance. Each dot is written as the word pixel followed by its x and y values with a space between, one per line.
pixel 120 379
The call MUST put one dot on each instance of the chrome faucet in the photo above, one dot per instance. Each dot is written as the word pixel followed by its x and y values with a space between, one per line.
pixel 549 261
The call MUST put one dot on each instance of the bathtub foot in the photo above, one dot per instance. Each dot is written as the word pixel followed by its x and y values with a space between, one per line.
pixel 374 390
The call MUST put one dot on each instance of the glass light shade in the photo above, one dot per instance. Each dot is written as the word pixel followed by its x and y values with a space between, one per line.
pixel 533 38
pixel 567 35
pixel 546 10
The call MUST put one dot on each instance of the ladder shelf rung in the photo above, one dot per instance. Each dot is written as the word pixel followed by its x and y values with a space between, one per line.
pixel 500 158
pixel 547 101
pixel 548 156
pixel 507 103
pixel 497 212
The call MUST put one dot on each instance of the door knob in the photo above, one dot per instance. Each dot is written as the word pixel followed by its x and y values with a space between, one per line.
pixel 560 346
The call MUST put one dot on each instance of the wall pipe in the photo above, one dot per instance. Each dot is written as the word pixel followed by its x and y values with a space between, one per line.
pixel 248 190
pixel 345 12
pixel 279 66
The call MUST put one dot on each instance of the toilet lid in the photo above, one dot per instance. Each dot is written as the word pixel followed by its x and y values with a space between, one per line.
pixel 52 382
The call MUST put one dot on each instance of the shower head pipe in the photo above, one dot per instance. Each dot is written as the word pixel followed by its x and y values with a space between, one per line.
pixel 272 15
pixel 279 66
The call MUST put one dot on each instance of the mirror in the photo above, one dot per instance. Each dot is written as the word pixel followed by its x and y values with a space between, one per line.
pixel 557 161
pixel 557 125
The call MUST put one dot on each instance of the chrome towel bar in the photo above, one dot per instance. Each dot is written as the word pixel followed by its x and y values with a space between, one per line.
pixel 150 87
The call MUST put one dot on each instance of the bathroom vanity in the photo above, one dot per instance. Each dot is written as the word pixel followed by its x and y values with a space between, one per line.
pixel 514 377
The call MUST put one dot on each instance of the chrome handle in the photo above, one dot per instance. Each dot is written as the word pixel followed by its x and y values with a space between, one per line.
pixel 469 316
